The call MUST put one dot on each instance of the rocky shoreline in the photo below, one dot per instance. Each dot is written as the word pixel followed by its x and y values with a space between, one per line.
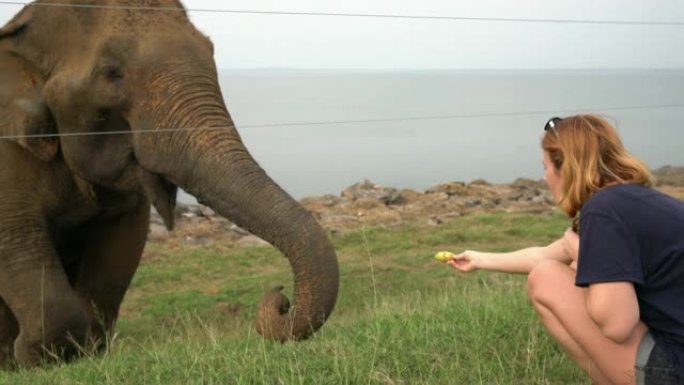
pixel 370 204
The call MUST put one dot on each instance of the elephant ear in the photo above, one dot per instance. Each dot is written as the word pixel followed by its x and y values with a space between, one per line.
pixel 24 115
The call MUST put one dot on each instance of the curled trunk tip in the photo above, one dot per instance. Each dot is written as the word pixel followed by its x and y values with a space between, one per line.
pixel 276 319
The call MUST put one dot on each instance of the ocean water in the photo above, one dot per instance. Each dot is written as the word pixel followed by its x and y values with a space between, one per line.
pixel 490 125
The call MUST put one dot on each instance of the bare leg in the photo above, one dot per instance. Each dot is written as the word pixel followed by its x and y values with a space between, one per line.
pixel 562 308
pixel 576 353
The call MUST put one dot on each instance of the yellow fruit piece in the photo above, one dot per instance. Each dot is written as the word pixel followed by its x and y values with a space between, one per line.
pixel 444 256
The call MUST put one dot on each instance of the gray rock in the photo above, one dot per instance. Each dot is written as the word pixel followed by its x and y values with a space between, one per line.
pixel 206 211
pixel 450 188
pixel 158 231
pixel 472 202
pixel 368 189
pixel 238 230
pixel 252 240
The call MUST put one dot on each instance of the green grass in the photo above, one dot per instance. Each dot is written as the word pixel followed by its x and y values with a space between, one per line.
pixel 401 317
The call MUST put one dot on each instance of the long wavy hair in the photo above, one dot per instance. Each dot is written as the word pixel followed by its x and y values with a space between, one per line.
pixel 589 154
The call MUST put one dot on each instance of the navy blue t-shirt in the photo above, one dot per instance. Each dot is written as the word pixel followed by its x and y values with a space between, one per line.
pixel 634 233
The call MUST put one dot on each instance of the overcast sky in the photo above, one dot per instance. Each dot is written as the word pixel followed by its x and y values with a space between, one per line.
pixel 257 40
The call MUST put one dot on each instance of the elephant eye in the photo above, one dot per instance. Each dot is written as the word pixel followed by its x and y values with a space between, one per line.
pixel 113 74
pixel 104 114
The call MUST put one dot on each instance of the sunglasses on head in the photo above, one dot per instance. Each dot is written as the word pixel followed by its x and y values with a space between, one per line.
pixel 551 125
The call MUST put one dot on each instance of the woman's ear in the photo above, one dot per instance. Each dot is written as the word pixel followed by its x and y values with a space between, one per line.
pixel 24 116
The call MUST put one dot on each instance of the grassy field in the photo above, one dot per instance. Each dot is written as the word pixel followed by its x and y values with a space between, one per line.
pixel 401 317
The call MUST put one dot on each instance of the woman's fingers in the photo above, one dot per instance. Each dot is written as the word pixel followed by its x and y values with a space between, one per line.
pixel 461 262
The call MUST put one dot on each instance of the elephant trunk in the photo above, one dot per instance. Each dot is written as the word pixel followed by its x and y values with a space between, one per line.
pixel 214 166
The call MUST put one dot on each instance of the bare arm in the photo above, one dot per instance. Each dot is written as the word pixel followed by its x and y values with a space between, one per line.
pixel 519 261
pixel 614 308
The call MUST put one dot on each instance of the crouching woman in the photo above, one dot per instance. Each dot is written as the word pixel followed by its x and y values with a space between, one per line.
pixel 610 290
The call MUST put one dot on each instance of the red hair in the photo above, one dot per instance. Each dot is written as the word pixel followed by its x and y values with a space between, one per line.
pixel 589 154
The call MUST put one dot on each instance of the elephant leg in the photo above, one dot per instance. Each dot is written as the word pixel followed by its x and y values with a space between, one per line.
pixel 110 257
pixel 34 286
pixel 9 329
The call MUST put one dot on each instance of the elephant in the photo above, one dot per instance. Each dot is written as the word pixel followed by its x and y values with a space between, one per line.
pixel 107 108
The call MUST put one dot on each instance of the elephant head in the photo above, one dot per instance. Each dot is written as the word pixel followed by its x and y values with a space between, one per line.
pixel 99 84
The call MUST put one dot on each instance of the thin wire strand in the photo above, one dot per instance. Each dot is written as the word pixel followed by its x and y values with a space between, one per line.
pixel 340 122
pixel 367 15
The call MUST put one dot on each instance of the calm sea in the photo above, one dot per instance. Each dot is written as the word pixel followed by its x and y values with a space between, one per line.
pixel 491 125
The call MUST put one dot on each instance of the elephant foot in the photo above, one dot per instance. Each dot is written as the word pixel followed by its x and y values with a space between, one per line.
pixel 6 356
pixel 99 338
pixel 8 333
pixel 63 342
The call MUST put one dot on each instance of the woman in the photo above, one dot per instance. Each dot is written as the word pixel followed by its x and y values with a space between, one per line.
pixel 611 290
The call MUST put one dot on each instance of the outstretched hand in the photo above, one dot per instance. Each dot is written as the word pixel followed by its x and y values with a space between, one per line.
pixel 464 262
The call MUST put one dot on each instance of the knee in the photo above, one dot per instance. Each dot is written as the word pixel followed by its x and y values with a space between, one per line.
pixel 542 279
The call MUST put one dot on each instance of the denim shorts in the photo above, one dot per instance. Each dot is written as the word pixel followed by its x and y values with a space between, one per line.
pixel 653 367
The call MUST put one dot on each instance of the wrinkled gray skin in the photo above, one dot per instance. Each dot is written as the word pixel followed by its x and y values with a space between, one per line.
pixel 74 210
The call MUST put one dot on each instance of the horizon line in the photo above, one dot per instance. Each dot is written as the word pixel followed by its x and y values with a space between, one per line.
pixel 371 69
